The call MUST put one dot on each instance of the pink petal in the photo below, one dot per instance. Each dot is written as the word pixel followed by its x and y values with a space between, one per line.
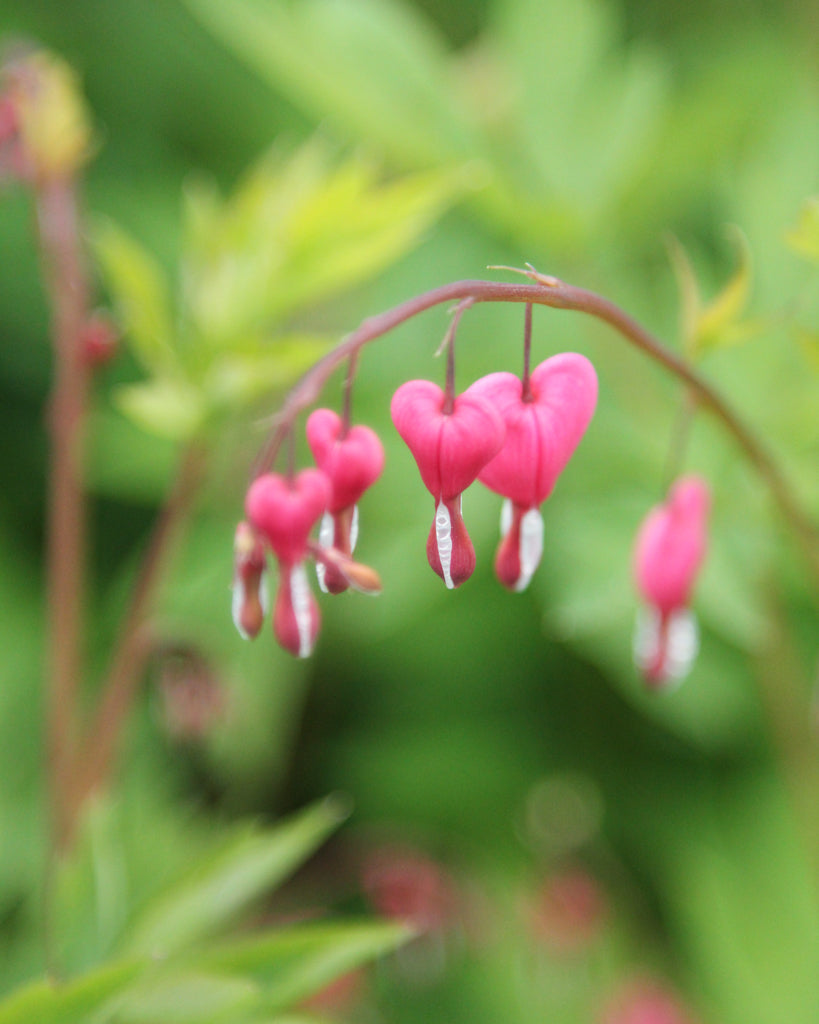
pixel 671 545
pixel 285 511
pixel 541 434
pixel 296 616
pixel 450 450
pixel 352 463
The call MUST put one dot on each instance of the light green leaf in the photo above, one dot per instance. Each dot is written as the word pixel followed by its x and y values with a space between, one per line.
pixel 804 237
pixel 721 314
pixel 225 884
pixel 71 1003
pixel 352 228
pixel 140 294
pixel 188 997
pixel 720 322
pixel 298 962
pixel 168 408
pixel 238 378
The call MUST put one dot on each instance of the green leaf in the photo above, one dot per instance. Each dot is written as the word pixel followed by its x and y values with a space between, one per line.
pixel 140 293
pixel 294 964
pixel 239 378
pixel 719 320
pixel 168 408
pixel 78 1001
pixel 804 237
pixel 374 67
pixel 227 882
pixel 352 228
pixel 187 997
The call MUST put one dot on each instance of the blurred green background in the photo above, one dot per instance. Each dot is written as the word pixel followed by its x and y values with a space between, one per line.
pixel 504 739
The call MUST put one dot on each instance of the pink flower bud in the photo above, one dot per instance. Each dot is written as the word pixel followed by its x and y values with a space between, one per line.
pixel 450 448
pixel 98 340
pixel 284 512
pixel 670 548
pixel 352 462
pixel 543 429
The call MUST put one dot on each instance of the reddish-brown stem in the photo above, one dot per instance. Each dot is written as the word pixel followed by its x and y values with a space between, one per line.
pixel 135 640
pixel 66 282
pixel 347 407
pixel 526 385
pixel 549 291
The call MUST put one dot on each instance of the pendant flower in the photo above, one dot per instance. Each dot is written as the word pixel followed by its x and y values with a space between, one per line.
pixel 450 448
pixel 352 460
pixel 669 551
pixel 544 424
pixel 250 597
pixel 284 512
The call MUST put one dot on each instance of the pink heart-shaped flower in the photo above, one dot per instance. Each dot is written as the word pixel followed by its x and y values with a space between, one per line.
pixel 542 433
pixel 352 463
pixel 671 545
pixel 450 448
pixel 284 511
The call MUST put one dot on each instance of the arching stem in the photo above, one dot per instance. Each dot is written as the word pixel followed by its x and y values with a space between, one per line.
pixel 549 291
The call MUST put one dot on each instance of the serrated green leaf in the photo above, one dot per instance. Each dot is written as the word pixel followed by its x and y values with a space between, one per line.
pixel 226 883
pixel 294 964
pixel 83 1000
pixel 804 237
pixel 168 408
pixel 140 294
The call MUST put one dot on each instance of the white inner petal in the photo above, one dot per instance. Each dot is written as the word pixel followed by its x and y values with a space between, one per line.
pixel 443 537
pixel 354 529
pixel 531 546
pixel 300 594
pixel 325 540
pixel 237 603
pixel 682 642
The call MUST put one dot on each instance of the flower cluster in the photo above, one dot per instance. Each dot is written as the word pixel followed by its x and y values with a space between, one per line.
pixel 515 437
pixel 280 515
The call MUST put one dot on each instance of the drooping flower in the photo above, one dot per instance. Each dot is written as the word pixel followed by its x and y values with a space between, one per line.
pixel 284 511
pixel 352 461
pixel 544 424
pixel 669 551
pixel 450 448
pixel 250 598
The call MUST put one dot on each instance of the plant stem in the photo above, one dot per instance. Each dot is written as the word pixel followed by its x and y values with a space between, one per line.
pixel 66 282
pixel 549 291
pixel 135 640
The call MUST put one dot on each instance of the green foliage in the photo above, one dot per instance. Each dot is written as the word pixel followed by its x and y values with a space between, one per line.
pixel 297 230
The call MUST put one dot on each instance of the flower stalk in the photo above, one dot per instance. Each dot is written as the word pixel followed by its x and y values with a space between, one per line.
pixel 550 291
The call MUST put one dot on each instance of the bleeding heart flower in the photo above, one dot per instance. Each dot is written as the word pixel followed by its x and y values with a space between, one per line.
pixel 284 512
pixel 544 425
pixel 450 448
pixel 669 551
pixel 250 599
pixel 352 461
